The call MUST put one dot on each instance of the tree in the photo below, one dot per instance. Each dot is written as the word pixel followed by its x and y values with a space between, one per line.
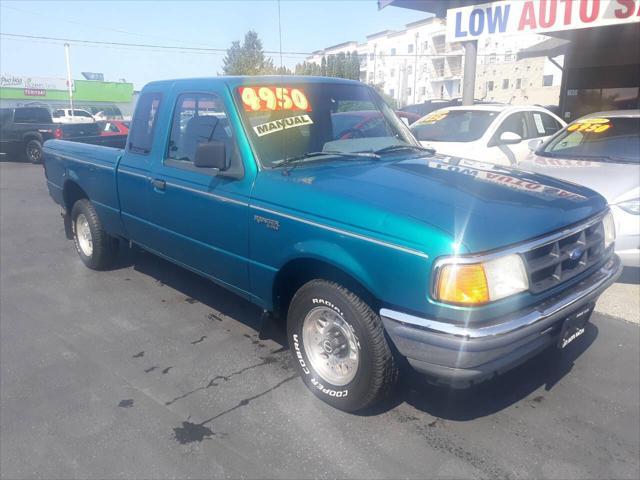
pixel 248 58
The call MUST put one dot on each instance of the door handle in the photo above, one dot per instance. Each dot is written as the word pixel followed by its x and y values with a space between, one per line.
pixel 159 184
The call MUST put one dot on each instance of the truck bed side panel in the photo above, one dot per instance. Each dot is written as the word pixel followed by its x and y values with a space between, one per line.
pixel 93 169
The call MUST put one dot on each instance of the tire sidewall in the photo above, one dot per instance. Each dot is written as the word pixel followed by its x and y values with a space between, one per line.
pixel 82 207
pixel 347 397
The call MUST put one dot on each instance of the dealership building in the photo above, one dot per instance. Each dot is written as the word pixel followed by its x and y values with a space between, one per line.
pixel 598 39
pixel 113 98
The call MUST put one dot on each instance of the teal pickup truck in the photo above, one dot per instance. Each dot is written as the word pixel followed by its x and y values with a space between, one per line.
pixel 370 246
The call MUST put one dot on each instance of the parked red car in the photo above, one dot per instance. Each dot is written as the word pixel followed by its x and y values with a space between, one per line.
pixel 113 127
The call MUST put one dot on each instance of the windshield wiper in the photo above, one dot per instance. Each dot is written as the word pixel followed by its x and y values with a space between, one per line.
pixel 296 159
pixel 399 148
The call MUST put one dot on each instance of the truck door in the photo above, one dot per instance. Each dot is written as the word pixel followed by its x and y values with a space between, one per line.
pixel 134 169
pixel 200 218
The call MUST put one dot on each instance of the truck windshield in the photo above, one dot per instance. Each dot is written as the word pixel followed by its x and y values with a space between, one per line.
pixel 613 139
pixel 286 121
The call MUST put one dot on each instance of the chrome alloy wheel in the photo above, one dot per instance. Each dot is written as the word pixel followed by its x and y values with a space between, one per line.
pixel 83 233
pixel 331 346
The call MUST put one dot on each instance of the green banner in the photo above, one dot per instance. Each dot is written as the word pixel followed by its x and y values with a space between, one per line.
pixel 85 91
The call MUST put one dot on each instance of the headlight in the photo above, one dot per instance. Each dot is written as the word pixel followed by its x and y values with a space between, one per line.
pixel 609 230
pixel 631 206
pixel 480 283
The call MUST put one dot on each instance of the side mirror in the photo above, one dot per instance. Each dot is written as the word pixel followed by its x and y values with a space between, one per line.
pixel 211 155
pixel 509 138
pixel 534 144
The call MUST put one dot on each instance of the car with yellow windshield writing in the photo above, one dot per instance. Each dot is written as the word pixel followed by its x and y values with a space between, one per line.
pixel 488 133
pixel 601 151
pixel 367 246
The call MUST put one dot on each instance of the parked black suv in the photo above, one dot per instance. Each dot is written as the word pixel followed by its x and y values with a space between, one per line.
pixel 23 131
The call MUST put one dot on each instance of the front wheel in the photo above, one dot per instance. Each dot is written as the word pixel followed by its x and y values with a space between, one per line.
pixel 339 346
pixel 96 248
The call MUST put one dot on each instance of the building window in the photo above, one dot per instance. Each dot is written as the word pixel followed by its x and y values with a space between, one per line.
pixel 409 70
pixel 393 51
pixel 490 86
pixel 423 90
pixel 425 45
pixel 410 48
pixel 392 92
pixel 408 90
pixel 371 76
pixel 392 72
pixel 425 68
pixel 547 80
pixel 518 83
pixel 372 56
pixel 505 83
pixel 492 58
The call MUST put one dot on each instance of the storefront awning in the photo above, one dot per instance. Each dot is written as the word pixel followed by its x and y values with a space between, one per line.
pixel 437 7
pixel 552 47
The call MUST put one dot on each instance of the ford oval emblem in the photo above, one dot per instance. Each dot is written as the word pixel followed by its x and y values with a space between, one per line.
pixel 576 253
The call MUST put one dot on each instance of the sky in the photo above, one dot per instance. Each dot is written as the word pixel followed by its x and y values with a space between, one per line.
pixel 306 26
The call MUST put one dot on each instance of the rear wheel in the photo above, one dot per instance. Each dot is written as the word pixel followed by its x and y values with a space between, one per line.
pixel 96 248
pixel 33 151
pixel 339 346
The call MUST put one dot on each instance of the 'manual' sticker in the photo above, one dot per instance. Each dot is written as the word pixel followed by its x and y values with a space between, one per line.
pixel 282 124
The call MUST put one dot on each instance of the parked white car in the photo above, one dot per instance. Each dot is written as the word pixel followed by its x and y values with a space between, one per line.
pixel 63 115
pixel 496 134
pixel 600 151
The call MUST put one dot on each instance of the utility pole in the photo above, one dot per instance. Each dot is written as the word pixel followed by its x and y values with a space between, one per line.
pixel 69 85
pixel 415 67
pixel 469 78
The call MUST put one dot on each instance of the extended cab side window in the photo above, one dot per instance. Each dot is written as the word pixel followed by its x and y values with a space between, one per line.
pixel 199 118
pixel 144 121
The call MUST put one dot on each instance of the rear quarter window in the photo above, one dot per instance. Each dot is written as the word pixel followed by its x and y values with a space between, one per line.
pixel 144 122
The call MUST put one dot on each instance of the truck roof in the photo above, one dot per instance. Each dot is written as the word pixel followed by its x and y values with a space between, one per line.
pixel 233 81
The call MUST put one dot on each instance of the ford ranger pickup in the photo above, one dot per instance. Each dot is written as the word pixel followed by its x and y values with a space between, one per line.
pixel 372 247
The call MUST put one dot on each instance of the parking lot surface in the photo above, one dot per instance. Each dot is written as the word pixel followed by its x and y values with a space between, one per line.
pixel 149 371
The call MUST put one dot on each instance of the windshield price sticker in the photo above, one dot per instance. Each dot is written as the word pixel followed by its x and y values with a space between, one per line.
pixel 269 99
pixel 592 125
pixel 434 117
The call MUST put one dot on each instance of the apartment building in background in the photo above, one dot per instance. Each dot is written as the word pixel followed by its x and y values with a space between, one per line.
pixel 416 64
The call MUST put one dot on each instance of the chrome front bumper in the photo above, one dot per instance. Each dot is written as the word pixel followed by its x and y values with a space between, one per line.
pixel 465 353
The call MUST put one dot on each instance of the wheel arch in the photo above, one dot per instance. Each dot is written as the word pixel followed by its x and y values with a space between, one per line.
pixel 27 137
pixel 298 271
pixel 71 193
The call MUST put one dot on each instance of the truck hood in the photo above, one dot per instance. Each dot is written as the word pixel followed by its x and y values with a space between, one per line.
pixel 476 205
pixel 615 181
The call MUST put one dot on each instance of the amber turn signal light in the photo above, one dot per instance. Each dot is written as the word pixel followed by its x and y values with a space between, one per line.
pixel 463 284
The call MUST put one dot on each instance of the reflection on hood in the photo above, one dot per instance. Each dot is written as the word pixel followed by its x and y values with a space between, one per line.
pixel 507 178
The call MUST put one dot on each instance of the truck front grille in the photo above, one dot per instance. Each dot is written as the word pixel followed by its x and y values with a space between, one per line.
pixel 556 262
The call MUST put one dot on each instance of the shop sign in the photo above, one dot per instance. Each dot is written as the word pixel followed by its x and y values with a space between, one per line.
pixel 25 83
pixel 511 17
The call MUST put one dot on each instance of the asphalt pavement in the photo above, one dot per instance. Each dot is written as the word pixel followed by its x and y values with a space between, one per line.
pixel 149 371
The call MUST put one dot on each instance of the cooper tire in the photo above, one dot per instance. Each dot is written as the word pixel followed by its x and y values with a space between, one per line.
pixel 352 329
pixel 33 151
pixel 97 249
